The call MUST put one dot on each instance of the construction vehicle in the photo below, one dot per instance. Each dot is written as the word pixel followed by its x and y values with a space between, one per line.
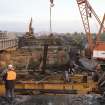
pixel 95 49
pixel 87 11
pixel 30 30
pixel 28 38
pixel 99 49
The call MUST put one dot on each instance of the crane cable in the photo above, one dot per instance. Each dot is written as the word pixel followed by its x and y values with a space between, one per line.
pixel 51 5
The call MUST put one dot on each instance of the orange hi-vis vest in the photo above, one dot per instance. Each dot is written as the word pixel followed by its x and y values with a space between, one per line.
pixel 11 75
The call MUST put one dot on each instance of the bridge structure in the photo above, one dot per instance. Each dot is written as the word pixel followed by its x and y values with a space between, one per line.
pixel 7 43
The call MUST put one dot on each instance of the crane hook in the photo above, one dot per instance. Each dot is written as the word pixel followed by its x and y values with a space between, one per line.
pixel 52 4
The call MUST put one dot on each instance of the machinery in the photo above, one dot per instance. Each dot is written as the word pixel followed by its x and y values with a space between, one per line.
pixel 86 12
pixel 42 66
pixel 30 30
pixel 79 83
pixel 28 39
pixel 99 49
pixel 95 49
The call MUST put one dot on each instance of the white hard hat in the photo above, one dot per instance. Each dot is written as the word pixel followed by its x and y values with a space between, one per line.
pixel 10 66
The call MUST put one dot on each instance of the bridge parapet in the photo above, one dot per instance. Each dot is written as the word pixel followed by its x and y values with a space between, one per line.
pixel 8 43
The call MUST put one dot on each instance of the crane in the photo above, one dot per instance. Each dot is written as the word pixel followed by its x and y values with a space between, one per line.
pixel 100 30
pixel 86 11
pixel 99 49
pixel 42 66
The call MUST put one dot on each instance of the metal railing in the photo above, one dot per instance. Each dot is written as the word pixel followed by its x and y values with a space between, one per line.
pixel 8 43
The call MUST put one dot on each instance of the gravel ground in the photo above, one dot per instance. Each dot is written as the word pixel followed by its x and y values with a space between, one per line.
pixel 54 100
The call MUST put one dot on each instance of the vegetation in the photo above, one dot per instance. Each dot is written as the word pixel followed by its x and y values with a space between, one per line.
pixel 102 37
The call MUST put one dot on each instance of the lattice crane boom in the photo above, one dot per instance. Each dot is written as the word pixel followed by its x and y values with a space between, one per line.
pixel 87 11
pixel 100 30
pixel 84 12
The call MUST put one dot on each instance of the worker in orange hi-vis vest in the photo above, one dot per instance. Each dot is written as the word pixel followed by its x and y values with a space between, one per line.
pixel 9 79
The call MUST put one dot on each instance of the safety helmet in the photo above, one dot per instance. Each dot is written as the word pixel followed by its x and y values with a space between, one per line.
pixel 10 66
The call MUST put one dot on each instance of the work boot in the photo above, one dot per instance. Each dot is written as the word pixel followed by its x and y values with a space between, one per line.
pixel 8 99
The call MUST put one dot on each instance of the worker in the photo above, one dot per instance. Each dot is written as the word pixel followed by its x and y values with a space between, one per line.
pixel 98 72
pixel 66 76
pixel 71 67
pixel 9 80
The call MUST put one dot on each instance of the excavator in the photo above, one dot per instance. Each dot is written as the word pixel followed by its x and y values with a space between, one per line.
pixel 30 30
pixel 28 38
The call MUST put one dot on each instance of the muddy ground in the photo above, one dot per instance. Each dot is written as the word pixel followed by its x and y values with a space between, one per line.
pixel 54 100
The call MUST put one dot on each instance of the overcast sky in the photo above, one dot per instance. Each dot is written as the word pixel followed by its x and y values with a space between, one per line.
pixel 15 15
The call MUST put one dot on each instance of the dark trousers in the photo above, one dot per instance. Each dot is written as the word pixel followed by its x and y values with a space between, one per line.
pixel 9 87
pixel 10 93
pixel 66 76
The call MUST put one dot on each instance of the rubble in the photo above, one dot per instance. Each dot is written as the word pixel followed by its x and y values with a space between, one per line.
pixel 54 100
